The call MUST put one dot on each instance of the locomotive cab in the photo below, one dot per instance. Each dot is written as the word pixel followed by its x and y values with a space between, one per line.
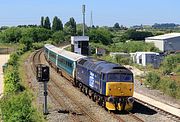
pixel 119 89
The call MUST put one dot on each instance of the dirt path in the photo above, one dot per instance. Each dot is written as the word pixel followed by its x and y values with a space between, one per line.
pixel 3 60
pixel 135 70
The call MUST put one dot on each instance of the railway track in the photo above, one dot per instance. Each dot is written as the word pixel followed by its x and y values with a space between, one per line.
pixel 174 117
pixel 82 108
pixel 36 59
pixel 135 117
pixel 74 114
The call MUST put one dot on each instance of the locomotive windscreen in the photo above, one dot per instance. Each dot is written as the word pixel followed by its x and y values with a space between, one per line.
pixel 117 77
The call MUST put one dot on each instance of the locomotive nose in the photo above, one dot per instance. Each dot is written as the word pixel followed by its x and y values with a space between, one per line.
pixel 119 89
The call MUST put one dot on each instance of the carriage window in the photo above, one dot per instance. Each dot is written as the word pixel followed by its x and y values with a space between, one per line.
pixel 120 77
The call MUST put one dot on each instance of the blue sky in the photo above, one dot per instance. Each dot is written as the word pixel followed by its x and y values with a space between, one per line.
pixel 105 12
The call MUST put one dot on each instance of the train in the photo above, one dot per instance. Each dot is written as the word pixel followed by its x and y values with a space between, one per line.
pixel 110 85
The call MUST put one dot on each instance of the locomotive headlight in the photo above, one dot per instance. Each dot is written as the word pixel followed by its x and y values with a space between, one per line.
pixel 130 100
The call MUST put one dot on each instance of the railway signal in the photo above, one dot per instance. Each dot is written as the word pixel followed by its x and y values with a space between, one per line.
pixel 42 75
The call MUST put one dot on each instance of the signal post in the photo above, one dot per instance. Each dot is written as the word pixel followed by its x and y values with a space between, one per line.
pixel 42 75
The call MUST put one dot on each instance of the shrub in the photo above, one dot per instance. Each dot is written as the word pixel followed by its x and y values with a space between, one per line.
pixel 13 59
pixel 17 108
pixel 152 79
pixel 170 63
pixel 11 81
pixel 37 45
pixel 123 60
pixel 170 87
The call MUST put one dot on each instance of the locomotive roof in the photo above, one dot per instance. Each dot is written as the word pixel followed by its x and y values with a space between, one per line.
pixel 99 66
pixel 67 54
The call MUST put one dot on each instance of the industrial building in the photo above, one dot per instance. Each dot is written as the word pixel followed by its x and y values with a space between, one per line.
pixel 167 42
pixel 144 58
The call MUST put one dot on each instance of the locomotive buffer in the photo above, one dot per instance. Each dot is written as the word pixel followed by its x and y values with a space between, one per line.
pixel 42 75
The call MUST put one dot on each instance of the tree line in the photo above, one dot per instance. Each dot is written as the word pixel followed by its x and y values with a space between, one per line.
pixel 57 32
pixel 57 24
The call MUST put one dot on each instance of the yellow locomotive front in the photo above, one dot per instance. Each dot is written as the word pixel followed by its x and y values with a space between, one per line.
pixel 119 91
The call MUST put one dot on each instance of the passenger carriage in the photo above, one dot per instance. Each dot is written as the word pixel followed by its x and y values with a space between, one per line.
pixel 64 61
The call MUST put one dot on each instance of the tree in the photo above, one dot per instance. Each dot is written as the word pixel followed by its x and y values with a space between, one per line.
pixel 79 28
pixel 57 24
pixel 70 26
pixel 58 37
pixel 47 23
pixel 136 35
pixel 37 34
pixel 100 35
pixel 27 41
pixel 42 21
pixel 11 35
pixel 116 26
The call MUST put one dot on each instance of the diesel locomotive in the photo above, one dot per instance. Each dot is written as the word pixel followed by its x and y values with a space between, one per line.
pixel 110 85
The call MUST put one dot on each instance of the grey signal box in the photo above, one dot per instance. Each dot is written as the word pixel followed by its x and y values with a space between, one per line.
pixel 80 45
pixel 42 71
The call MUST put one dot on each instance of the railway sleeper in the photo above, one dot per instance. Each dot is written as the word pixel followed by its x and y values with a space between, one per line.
pixel 68 112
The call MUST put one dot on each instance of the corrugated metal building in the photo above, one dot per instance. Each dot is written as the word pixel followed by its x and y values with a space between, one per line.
pixel 167 42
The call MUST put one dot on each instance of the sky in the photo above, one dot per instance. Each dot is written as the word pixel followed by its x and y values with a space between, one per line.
pixel 104 12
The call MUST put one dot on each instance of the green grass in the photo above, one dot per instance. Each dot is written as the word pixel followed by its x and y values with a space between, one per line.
pixel 22 70
pixel 22 73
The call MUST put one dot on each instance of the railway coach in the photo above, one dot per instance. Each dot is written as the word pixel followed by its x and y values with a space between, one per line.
pixel 64 61
pixel 109 84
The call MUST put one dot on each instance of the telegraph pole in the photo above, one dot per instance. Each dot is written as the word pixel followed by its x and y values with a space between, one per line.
pixel 83 11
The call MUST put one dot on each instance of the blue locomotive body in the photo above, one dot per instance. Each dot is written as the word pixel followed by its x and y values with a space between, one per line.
pixel 87 73
pixel 90 79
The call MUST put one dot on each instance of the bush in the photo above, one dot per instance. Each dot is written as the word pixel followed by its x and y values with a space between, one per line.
pixel 177 69
pixel 37 45
pixel 11 81
pixel 170 87
pixel 153 80
pixel 133 46
pixel 17 108
pixel 170 64
pixel 16 104
pixel 123 60
pixel 13 59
